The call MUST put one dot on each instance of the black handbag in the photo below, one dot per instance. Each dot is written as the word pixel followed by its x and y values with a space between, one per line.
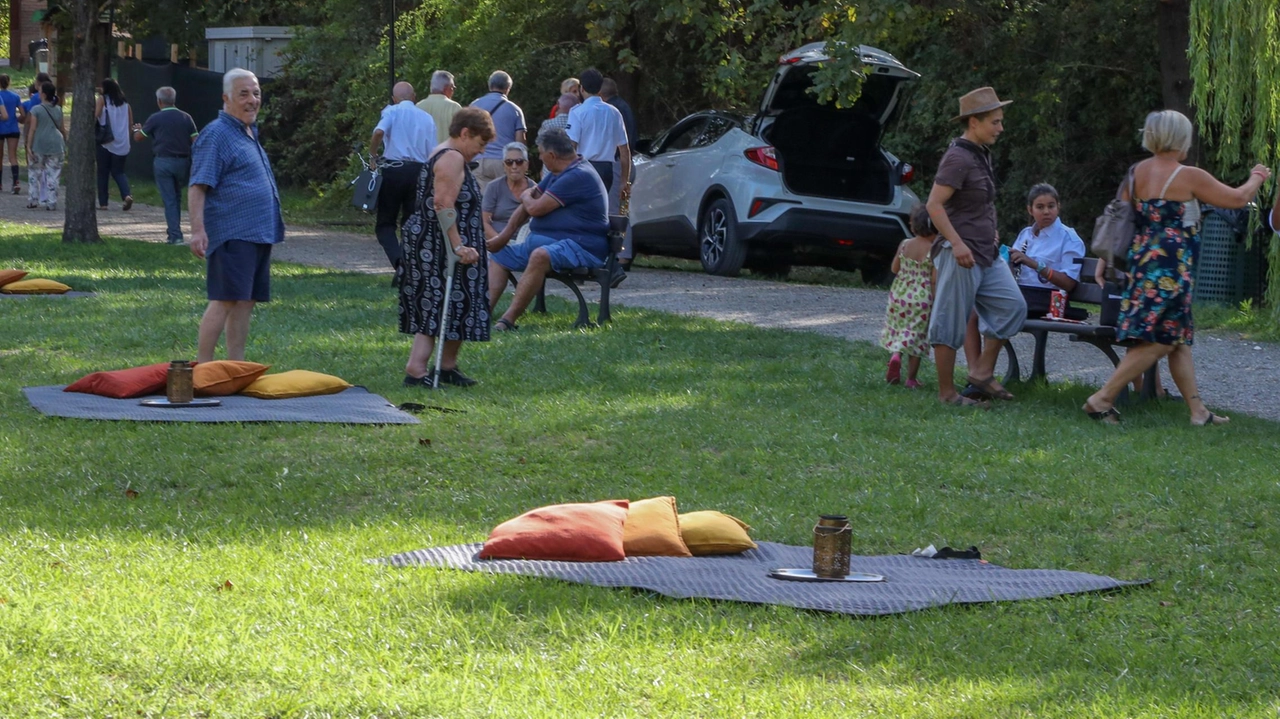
pixel 367 186
pixel 102 133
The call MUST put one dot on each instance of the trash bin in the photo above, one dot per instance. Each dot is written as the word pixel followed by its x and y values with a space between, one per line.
pixel 39 52
pixel 1219 270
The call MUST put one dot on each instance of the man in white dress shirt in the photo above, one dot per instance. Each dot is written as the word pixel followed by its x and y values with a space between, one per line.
pixel 409 135
pixel 599 132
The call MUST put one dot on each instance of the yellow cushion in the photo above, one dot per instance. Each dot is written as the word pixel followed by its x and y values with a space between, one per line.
pixel 9 276
pixel 653 529
pixel 223 377
pixel 711 532
pixel 295 383
pixel 35 287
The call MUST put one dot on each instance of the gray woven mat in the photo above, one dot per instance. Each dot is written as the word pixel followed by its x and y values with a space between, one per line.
pixel 911 583
pixel 72 293
pixel 352 406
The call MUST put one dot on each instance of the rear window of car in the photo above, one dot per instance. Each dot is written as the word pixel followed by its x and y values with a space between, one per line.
pixel 793 93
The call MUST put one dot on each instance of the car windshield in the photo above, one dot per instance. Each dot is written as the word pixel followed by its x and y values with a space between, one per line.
pixel 793 93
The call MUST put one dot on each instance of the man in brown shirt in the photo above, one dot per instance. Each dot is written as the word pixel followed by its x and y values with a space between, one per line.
pixel 970 275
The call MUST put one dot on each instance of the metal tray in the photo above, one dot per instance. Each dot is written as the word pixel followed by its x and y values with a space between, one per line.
pixel 195 403
pixel 807 575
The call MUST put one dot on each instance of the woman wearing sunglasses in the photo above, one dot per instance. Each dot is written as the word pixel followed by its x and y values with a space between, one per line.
pixel 502 198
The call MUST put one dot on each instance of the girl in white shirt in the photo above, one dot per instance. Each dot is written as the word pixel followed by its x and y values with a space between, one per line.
pixel 1044 256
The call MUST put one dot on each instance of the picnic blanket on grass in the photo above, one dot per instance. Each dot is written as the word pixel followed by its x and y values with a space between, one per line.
pixel 72 293
pixel 355 405
pixel 911 583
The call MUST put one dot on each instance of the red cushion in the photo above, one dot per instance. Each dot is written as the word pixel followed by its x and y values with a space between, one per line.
pixel 124 383
pixel 562 532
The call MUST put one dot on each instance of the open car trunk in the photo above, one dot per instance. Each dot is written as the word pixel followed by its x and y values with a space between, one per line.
pixel 830 152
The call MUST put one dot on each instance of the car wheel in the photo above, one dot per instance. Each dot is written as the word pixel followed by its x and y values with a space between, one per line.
pixel 721 251
pixel 877 272
pixel 771 269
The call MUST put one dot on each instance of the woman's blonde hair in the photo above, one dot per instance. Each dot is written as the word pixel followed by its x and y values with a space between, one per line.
pixel 569 85
pixel 1166 131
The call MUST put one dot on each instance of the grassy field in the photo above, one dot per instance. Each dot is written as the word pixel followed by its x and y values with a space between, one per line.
pixel 219 570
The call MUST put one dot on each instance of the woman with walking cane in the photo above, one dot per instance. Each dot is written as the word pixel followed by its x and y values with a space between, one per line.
pixel 444 285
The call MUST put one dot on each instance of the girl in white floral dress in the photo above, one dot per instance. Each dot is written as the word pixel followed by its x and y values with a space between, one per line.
pixel 906 324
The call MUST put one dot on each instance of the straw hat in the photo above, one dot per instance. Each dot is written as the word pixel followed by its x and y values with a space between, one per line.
pixel 981 100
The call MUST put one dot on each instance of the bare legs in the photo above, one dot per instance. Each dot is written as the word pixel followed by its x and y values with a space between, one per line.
pixel 530 282
pixel 229 317
pixel 972 342
pixel 1183 371
pixel 913 368
pixel 420 355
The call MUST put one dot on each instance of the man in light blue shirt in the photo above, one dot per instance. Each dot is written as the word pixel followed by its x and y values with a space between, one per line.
pixel 235 216
pixel 598 130
pixel 409 134
pixel 508 122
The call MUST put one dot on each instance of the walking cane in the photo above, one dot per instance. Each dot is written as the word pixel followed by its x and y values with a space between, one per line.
pixel 451 261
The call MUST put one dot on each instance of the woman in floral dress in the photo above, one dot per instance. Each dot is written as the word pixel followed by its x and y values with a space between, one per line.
pixel 1156 311
pixel 906 323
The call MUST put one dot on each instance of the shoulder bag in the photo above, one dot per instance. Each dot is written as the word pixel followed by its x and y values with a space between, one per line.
pixel 102 133
pixel 1115 228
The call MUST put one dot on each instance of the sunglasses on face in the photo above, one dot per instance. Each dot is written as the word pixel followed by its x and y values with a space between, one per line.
pixel 513 163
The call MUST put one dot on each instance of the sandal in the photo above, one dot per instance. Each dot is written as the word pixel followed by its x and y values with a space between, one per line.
pixel 1212 420
pixel 987 386
pixel 1110 415
pixel 962 401
pixel 505 325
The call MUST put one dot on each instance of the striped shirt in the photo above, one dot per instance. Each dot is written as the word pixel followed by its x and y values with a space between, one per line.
pixel 242 202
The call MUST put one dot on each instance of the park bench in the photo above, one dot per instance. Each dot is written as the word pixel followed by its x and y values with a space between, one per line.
pixel 607 277
pixel 1098 334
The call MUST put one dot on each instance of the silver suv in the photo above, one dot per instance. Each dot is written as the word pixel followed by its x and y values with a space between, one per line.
pixel 797 183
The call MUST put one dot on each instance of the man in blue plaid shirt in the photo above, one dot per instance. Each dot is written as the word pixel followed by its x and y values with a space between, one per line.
pixel 235 216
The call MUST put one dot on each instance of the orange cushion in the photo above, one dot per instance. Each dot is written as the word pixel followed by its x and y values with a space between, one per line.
pixel 123 383
pixel 223 377
pixel 562 532
pixel 7 276
pixel 653 529
pixel 35 287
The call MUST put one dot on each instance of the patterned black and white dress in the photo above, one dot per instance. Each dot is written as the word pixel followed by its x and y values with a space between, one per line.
pixel 425 254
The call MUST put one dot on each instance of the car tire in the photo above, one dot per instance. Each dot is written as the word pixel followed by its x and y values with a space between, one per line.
pixel 876 272
pixel 721 251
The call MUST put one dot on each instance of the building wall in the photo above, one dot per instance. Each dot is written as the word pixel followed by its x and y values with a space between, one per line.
pixel 22 29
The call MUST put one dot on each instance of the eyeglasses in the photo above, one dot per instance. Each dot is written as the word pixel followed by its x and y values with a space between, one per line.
pixel 513 163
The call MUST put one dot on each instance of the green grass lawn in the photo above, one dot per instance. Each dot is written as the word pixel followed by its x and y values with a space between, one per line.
pixel 234 583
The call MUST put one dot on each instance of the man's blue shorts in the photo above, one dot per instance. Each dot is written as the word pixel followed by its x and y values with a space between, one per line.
pixel 565 254
pixel 239 271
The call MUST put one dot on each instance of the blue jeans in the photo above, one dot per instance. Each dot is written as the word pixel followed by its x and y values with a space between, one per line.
pixel 171 175
pixel 110 165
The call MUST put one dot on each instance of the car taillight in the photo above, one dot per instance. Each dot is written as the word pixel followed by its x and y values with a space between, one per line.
pixel 763 156
pixel 906 173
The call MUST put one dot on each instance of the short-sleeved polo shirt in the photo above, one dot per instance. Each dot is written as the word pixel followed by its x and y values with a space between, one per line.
pixel 408 132
pixel 242 202
pixel 508 119
pixel 598 129
pixel 584 214
pixel 170 131
pixel 966 168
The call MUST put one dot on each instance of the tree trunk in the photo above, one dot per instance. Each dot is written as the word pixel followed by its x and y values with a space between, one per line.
pixel 1173 28
pixel 81 209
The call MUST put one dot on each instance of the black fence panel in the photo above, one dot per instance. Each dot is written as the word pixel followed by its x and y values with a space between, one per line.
pixel 199 94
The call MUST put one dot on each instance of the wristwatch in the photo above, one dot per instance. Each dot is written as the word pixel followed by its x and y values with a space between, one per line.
pixel 1043 271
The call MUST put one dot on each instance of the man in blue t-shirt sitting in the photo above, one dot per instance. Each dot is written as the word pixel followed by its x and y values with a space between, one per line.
pixel 568 225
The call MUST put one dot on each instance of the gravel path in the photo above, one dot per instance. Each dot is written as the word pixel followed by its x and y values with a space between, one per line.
pixel 1236 375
